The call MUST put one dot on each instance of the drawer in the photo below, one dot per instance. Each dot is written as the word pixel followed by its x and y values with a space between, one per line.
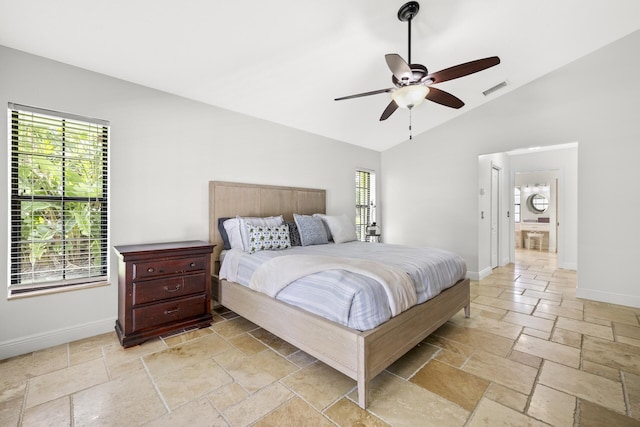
pixel 168 312
pixel 167 266
pixel 170 287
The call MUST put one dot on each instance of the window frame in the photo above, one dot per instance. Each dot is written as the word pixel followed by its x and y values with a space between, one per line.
pixel 365 211
pixel 66 124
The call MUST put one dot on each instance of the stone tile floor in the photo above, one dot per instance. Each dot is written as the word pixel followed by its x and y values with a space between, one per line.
pixel 531 354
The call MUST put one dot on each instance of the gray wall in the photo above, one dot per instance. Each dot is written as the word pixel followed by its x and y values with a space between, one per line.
pixel 430 190
pixel 164 150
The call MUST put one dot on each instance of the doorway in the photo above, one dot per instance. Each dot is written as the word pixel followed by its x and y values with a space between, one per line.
pixel 536 201
pixel 495 215
pixel 496 240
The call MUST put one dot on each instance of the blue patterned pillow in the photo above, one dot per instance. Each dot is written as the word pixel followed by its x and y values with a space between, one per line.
pixel 311 229
pixel 265 238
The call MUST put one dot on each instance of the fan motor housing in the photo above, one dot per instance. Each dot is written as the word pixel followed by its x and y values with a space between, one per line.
pixel 419 72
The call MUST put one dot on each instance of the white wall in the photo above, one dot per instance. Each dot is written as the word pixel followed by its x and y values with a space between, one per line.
pixel 430 184
pixel 164 150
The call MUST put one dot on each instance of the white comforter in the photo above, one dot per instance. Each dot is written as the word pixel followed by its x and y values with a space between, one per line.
pixel 275 274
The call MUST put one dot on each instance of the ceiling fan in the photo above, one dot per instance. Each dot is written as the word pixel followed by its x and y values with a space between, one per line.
pixel 413 83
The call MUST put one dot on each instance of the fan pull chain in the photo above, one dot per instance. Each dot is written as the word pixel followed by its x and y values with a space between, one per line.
pixel 410 132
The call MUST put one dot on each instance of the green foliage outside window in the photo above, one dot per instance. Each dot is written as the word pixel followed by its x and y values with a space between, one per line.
pixel 59 189
pixel 365 192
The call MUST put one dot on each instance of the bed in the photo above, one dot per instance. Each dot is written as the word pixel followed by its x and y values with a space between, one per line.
pixel 361 355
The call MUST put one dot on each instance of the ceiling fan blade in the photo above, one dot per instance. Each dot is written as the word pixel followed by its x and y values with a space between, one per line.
pixel 389 110
pixel 399 67
pixel 443 98
pixel 462 70
pixel 374 92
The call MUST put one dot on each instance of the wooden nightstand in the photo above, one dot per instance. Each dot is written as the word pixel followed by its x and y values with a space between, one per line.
pixel 162 288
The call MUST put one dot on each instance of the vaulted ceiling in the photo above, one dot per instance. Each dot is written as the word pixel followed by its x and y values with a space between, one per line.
pixel 285 61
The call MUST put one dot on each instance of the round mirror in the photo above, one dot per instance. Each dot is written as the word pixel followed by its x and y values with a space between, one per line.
pixel 538 203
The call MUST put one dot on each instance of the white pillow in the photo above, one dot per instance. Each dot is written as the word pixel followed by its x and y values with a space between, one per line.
pixel 232 226
pixel 342 229
pixel 271 221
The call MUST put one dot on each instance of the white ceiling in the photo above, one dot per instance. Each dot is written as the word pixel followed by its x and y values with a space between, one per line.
pixel 286 60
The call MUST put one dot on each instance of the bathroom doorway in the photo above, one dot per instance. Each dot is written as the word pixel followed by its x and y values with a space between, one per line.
pixel 559 216
pixel 536 212
pixel 562 160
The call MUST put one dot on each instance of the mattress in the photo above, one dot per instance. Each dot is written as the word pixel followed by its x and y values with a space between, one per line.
pixel 351 299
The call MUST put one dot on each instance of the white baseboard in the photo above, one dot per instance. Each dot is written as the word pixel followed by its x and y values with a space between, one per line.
pixel 29 343
pixel 568 266
pixel 479 275
pixel 485 273
pixel 620 299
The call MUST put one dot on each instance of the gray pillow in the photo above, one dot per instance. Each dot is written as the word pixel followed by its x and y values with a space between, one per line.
pixel 223 233
pixel 311 229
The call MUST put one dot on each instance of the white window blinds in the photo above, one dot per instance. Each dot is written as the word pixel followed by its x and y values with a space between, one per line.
pixel 365 201
pixel 58 198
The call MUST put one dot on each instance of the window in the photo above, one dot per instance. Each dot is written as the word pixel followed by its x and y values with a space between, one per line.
pixel 58 198
pixel 365 202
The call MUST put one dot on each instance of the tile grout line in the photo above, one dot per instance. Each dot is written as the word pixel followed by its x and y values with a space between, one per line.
pixel 155 385
pixel 299 396
pixel 24 400
pixel 249 394
pixel 625 393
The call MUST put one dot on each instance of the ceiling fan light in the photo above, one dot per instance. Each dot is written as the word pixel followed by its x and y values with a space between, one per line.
pixel 410 96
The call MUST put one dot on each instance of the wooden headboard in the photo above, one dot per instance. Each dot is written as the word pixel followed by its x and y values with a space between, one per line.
pixel 229 199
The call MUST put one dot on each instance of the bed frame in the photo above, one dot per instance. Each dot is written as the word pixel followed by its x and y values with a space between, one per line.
pixel 359 355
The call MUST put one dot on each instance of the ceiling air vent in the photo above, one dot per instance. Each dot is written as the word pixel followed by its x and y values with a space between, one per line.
pixel 494 88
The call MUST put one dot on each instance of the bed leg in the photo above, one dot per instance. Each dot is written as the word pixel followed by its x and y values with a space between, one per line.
pixel 467 310
pixel 363 394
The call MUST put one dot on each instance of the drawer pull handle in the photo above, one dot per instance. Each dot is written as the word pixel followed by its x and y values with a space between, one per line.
pixel 150 270
pixel 193 264
pixel 177 288
pixel 172 311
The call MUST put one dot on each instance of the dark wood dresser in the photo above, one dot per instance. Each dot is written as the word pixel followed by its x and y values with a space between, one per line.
pixel 162 288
